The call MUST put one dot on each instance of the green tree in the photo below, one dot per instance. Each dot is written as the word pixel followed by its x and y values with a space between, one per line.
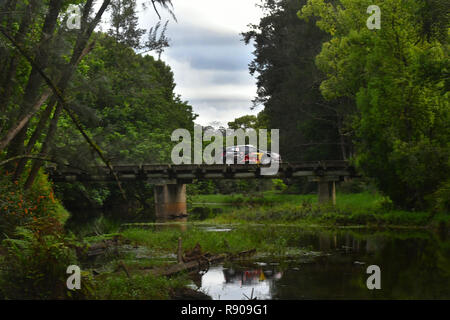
pixel 288 80
pixel 124 23
pixel 249 122
pixel 129 107
pixel 398 77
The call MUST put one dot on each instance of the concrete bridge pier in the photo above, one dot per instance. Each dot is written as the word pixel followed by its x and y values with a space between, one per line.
pixel 326 188
pixel 170 201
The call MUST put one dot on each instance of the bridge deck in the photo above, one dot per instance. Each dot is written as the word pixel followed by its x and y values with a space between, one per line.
pixel 334 169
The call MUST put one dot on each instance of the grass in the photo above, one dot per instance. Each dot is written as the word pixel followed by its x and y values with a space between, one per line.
pixel 361 209
pixel 251 219
pixel 239 239
pixel 139 287
pixel 266 198
pixel 161 246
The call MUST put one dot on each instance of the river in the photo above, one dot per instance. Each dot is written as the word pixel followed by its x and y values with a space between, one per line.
pixel 414 264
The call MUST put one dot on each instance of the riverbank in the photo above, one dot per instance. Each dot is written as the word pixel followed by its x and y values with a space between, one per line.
pixel 286 251
pixel 287 231
pixel 359 209
pixel 124 271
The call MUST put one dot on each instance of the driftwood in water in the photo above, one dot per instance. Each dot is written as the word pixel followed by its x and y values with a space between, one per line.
pixel 187 266
pixel 99 248
pixel 191 260
pixel 195 259
pixel 200 263
pixel 242 255
pixel 191 255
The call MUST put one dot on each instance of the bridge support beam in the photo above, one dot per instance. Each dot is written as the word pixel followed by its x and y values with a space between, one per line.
pixel 323 191
pixel 326 189
pixel 170 201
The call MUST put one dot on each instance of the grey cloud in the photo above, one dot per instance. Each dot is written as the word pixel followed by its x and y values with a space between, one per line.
pixel 208 49
pixel 211 70
pixel 237 103
pixel 211 58
pixel 221 110
pixel 183 35
pixel 231 77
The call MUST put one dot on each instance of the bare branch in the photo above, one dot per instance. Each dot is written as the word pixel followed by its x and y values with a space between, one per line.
pixel 38 157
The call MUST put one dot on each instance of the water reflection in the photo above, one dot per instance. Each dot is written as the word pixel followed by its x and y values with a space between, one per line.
pixel 414 265
pixel 225 284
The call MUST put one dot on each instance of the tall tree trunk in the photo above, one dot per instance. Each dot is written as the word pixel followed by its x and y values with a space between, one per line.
pixel 62 85
pixel 81 49
pixel 37 164
pixel 47 112
pixel 24 120
pixel 35 136
pixel 80 41
pixel 7 18
pixel 11 68
pixel 35 80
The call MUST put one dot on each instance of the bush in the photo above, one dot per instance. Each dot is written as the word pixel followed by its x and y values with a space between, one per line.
pixel 19 207
pixel 440 200
pixel 139 287
pixel 201 187
pixel 203 213
pixel 354 186
pixel 384 204
pixel 35 263
pixel 279 185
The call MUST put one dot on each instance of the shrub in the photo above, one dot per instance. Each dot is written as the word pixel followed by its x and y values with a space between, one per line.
pixel 353 186
pixel 19 207
pixel 279 185
pixel 440 200
pixel 35 263
pixel 139 287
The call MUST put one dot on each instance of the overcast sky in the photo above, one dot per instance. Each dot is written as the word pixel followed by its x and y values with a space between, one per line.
pixel 208 58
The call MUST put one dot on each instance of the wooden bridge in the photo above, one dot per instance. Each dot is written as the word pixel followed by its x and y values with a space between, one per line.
pixel 170 180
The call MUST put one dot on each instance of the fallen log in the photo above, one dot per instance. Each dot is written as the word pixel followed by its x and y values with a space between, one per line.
pixel 199 263
pixel 242 255
pixel 101 247
pixel 186 266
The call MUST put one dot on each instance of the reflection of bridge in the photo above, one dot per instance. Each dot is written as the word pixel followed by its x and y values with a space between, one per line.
pixel 248 277
pixel 170 180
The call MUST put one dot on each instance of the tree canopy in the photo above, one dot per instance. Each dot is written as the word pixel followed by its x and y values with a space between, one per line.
pixel 398 78
pixel 288 80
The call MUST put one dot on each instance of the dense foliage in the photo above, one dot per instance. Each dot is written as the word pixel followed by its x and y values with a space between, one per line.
pixel 73 97
pixel 129 107
pixel 35 263
pixel 337 90
pixel 19 207
pixel 114 105
pixel 340 90
pixel 311 128
pixel 398 78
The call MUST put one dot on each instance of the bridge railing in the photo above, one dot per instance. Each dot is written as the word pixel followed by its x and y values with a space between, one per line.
pixel 150 172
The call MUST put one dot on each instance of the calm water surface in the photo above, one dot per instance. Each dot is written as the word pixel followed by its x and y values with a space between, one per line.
pixel 329 264
pixel 414 265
